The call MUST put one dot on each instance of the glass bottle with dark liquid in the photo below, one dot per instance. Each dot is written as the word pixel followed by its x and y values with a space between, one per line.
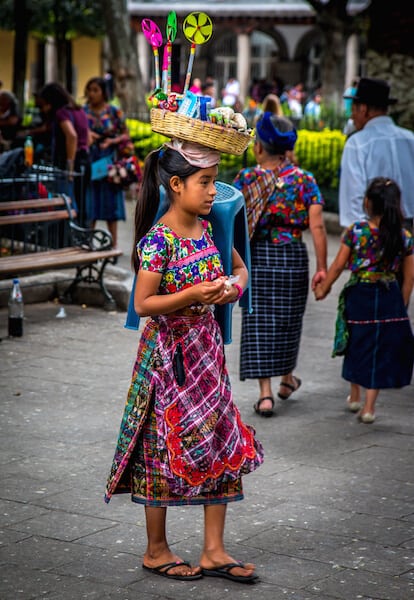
pixel 16 310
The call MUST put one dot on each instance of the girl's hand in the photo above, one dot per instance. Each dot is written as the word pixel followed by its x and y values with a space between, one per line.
pixel 231 293
pixel 318 278
pixel 319 292
pixel 209 292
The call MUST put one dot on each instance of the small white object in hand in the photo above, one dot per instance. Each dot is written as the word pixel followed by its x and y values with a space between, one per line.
pixel 230 281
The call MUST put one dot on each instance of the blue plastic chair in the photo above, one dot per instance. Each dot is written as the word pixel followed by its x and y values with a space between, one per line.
pixel 229 222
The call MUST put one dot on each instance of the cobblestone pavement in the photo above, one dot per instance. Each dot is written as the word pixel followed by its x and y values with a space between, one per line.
pixel 329 515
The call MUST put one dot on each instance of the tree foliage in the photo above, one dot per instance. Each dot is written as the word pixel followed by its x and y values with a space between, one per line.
pixel 62 19
pixel 336 24
pixel 44 17
pixel 391 27
pixel 124 57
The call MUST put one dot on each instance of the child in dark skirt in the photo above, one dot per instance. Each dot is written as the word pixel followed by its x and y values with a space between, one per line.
pixel 373 331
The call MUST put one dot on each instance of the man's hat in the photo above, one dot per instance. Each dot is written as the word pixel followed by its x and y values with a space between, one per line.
pixel 374 92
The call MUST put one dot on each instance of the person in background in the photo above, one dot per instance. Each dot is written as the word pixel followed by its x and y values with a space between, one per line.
pixel 272 104
pixel 196 86
pixel 313 107
pixel 69 138
pixel 231 93
pixel 295 106
pixel 10 118
pixel 349 93
pixel 109 136
pixel 282 201
pixel 251 113
pixel 208 89
pixel 40 130
pixel 373 330
pixel 377 148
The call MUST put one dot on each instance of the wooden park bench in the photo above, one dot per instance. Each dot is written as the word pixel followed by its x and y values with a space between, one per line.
pixel 41 235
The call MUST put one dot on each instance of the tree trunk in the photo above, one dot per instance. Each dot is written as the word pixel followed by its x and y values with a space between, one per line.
pixel 335 25
pixel 333 65
pixel 61 58
pixel 20 50
pixel 124 58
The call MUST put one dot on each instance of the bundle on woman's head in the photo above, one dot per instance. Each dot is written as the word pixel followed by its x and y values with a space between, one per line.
pixel 276 133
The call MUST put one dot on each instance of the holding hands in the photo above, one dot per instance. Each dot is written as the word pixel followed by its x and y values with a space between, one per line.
pixel 320 291
pixel 319 287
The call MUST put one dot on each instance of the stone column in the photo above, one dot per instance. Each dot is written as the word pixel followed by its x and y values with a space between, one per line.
pixel 50 60
pixel 144 59
pixel 243 64
pixel 352 60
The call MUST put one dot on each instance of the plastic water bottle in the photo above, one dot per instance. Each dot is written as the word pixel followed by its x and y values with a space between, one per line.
pixel 16 310
pixel 28 152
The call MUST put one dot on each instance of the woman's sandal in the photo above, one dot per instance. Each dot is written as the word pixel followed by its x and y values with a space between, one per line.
pixel 289 386
pixel 268 412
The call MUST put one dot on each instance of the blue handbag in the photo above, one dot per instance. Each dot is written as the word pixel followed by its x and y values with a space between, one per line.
pixel 99 168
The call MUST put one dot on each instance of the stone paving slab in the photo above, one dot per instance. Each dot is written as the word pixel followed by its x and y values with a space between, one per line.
pixel 330 514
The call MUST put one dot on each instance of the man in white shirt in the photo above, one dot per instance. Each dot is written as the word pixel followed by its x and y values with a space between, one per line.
pixel 377 148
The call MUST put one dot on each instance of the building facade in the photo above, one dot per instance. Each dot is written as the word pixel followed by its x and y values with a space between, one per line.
pixel 276 41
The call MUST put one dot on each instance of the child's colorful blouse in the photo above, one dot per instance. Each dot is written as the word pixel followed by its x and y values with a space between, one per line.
pixel 183 262
pixel 286 214
pixel 366 251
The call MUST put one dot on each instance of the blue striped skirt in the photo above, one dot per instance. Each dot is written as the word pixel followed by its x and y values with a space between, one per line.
pixel 270 335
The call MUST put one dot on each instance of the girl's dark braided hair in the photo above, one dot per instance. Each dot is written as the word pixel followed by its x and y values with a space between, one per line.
pixel 384 196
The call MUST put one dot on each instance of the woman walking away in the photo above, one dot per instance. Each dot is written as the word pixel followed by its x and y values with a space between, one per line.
pixel 182 441
pixel 373 330
pixel 282 200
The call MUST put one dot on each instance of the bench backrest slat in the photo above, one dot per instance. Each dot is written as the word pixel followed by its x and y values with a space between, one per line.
pixel 36 217
pixel 33 204
pixel 36 224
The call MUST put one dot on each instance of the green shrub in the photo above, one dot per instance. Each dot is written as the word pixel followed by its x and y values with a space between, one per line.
pixel 320 153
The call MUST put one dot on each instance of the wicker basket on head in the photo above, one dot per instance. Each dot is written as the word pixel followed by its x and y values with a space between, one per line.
pixel 223 139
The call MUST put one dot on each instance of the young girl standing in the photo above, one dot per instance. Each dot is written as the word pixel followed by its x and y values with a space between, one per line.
pixel 182 441
pixel 373 330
